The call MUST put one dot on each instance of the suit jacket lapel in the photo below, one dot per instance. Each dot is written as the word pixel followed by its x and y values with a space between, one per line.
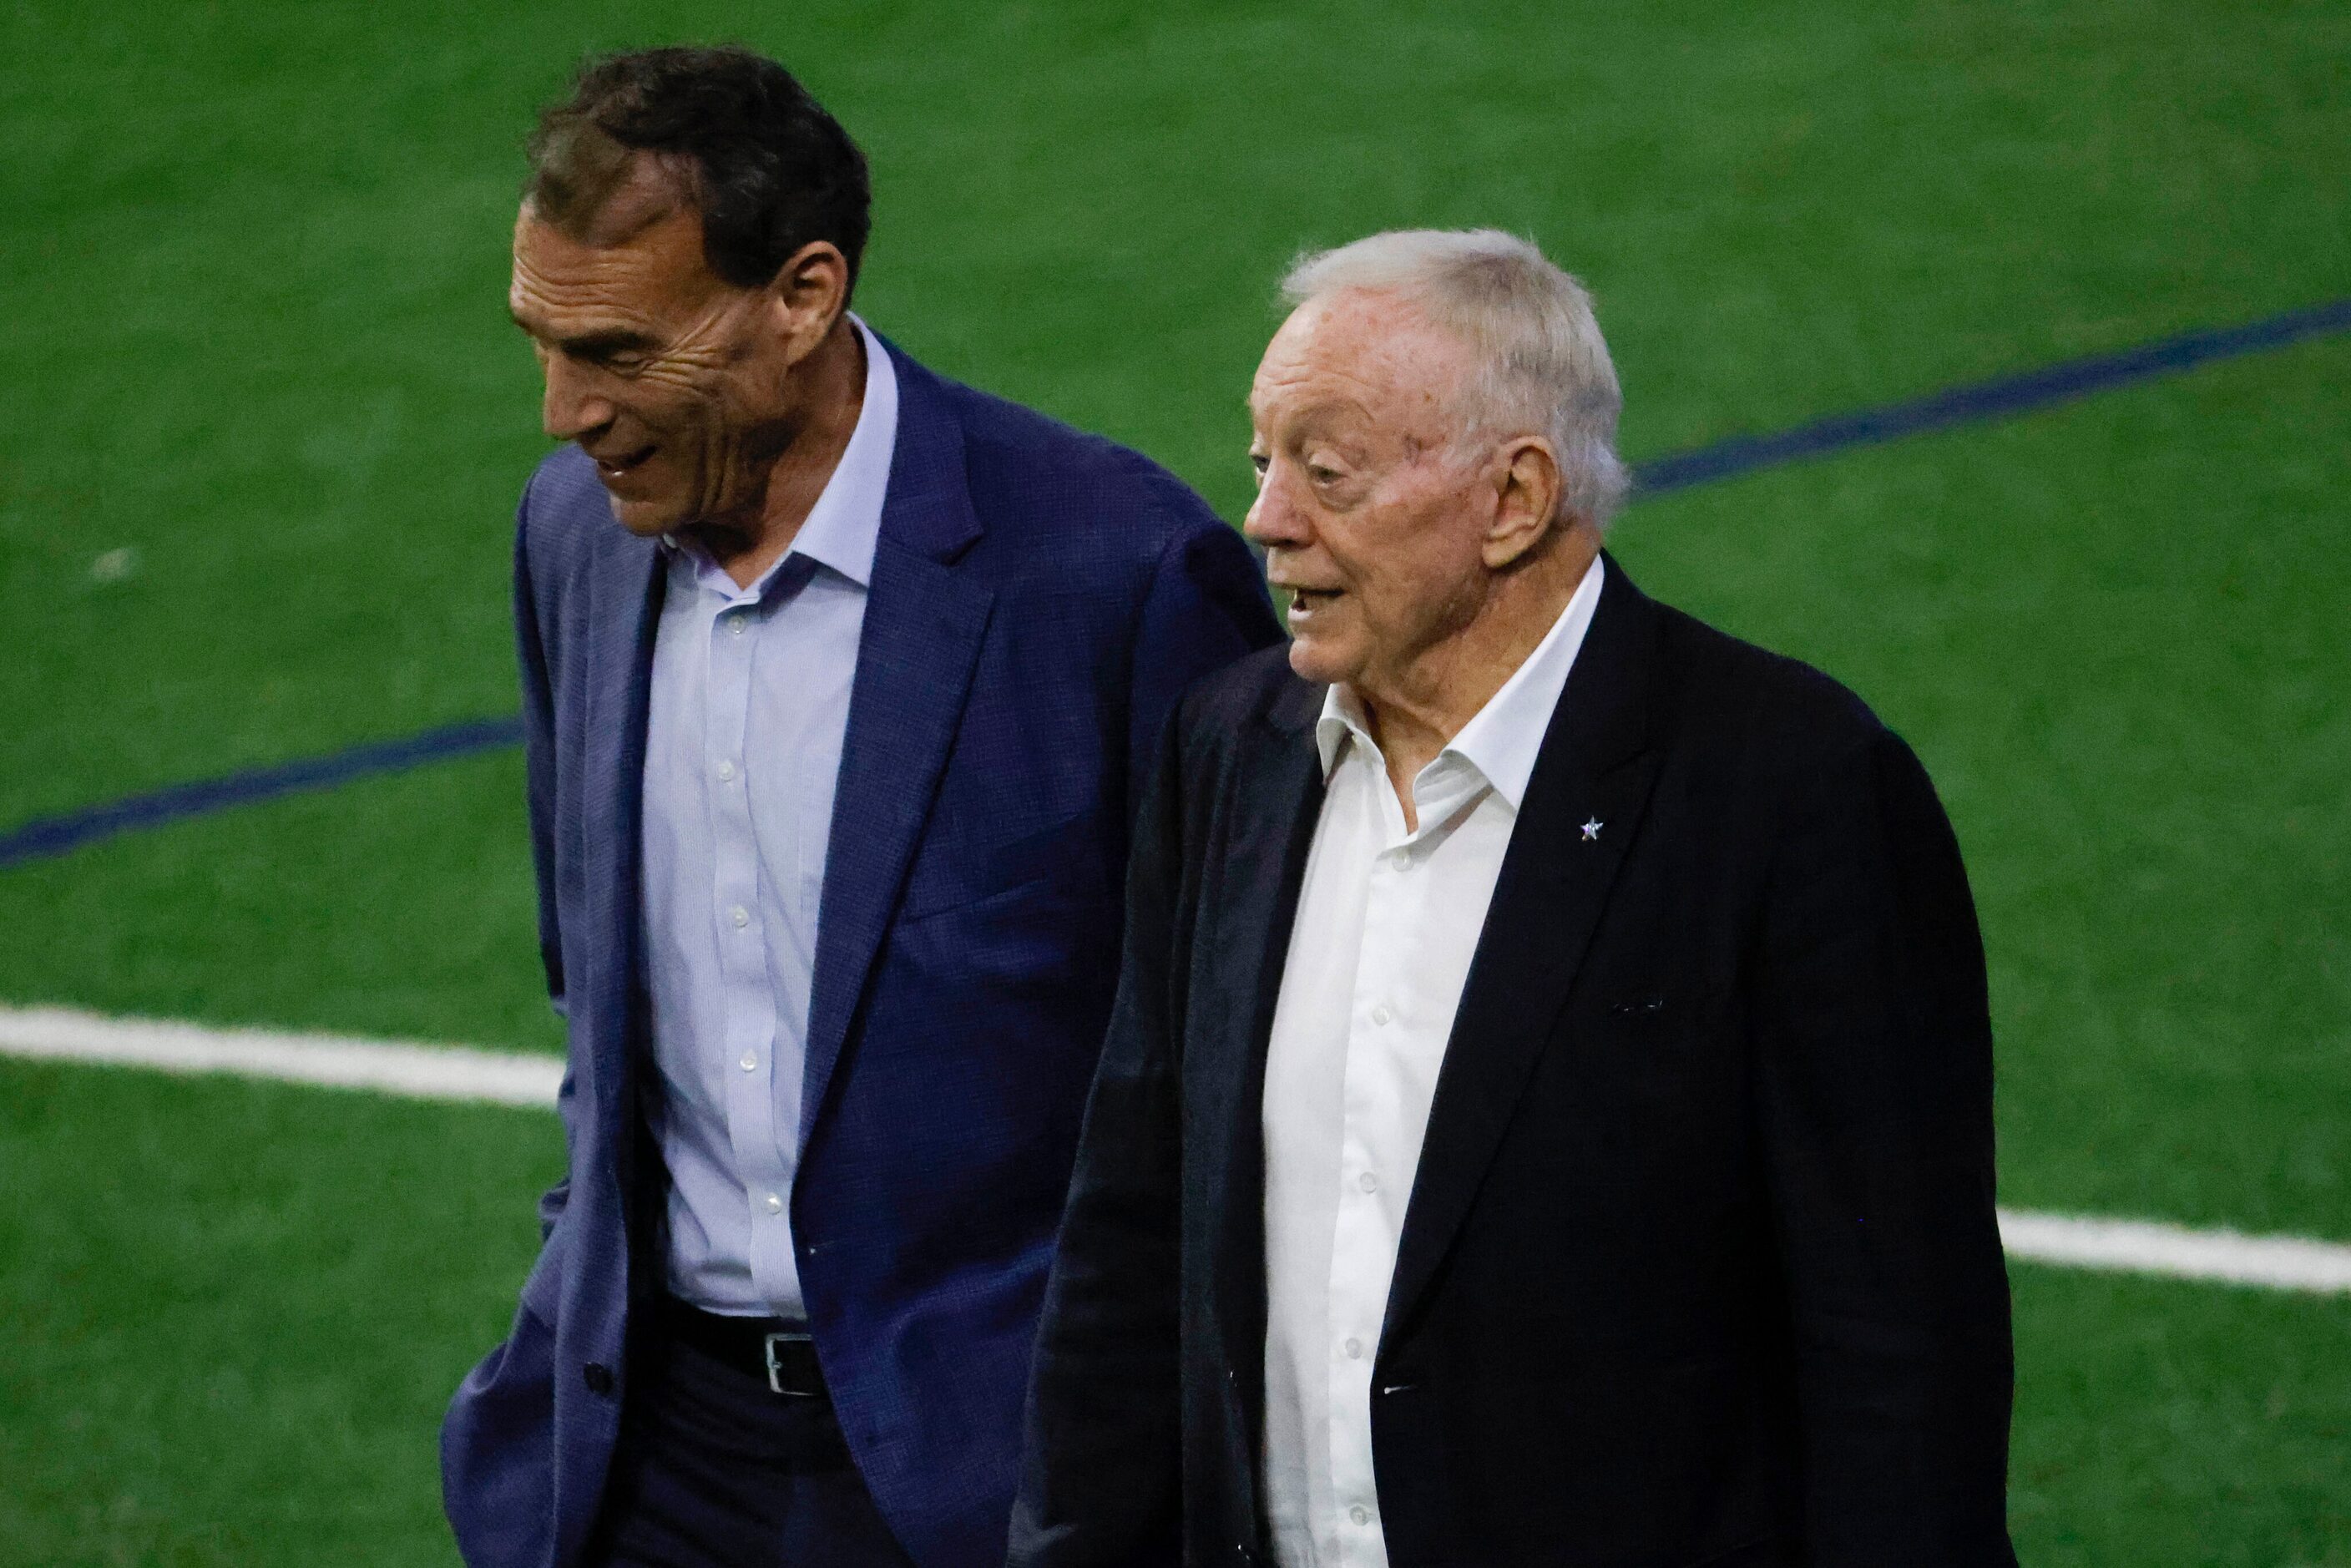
pixel 624 608
pixel 1594 767
pixel 1276 801
pixel 923 625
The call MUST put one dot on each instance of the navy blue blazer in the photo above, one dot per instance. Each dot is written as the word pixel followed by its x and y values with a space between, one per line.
pixel 1039 598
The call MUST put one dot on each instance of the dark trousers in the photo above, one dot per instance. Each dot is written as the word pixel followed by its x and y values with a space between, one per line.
pixel 715 1471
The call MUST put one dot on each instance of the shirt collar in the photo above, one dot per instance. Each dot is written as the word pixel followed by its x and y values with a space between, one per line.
pixel 1502 739
pixel 844 527
pixel 845 523
pixel 1340 721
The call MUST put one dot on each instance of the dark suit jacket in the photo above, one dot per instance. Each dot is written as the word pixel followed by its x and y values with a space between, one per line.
pixel 1039 599
pixel 1701 1264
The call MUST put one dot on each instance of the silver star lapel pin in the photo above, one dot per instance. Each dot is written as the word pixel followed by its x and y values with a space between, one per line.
pixel 1591 828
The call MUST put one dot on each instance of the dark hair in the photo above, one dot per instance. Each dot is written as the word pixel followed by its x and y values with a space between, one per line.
pixel 771 171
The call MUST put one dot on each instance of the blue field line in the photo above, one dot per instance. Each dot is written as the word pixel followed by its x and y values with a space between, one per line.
pixel 1993 398
pixel 1726 459
pixel 50 836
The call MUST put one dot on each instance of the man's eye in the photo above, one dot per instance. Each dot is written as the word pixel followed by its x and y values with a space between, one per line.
pixel 1321 475
pixel 1258 464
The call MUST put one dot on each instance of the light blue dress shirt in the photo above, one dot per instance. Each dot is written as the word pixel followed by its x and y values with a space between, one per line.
pixel 749 704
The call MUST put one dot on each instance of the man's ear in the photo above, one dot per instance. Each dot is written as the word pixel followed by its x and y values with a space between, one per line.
pixel 807 294
pixel 1526 503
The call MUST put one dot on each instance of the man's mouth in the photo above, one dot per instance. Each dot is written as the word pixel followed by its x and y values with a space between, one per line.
pixel 611 468
pixel 1307 602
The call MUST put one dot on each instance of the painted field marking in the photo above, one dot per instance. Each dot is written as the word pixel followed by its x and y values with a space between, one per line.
pixel 332 1061
pixel 48 837
pixel 516 1078
pixel 2150 1246
pixel 1999 397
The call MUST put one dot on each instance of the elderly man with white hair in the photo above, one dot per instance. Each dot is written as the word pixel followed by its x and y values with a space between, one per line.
pixel 1547 1114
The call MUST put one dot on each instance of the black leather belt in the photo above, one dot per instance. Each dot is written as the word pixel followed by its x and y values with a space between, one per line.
pixel 773 1349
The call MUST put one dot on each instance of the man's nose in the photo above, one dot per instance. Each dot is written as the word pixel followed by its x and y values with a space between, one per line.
pixel 1274 521
pixel 571 407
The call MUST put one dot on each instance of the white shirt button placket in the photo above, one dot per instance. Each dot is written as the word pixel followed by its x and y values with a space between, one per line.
pixel 1358 1287
pixel 748 1024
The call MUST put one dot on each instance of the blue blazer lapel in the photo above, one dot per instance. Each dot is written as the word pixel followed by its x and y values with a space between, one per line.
pixel 624 608
pixel 923 625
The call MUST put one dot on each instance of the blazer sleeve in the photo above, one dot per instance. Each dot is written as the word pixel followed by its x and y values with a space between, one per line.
pixel 1205 607
pixel 539 766
pixel 1100 1477
pixel 1873 1093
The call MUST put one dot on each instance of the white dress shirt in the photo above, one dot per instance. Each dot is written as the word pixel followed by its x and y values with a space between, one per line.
pixel 1388 922
pixel 743 738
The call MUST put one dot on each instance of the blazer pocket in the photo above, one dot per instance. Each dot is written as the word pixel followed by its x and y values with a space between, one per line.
pixel 1645 1010
pixel 1056 852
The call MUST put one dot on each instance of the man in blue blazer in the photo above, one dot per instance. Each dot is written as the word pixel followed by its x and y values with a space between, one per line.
pixel 838 678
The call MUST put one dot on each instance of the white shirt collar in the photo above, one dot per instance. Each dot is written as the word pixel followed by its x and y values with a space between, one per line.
pixel 845 523
pixel 1502 739
pixel 844 527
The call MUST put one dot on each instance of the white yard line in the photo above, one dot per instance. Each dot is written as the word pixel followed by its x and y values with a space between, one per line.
pixel 2149 1246
pixel 416 1072
pixel 513 1078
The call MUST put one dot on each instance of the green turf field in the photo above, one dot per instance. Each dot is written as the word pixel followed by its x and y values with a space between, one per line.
pixel 257 254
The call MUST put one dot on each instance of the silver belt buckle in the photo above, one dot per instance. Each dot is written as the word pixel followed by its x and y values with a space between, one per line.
pixel 776 1365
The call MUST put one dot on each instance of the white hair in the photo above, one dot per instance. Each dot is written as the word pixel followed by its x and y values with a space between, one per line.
pixel 1543 367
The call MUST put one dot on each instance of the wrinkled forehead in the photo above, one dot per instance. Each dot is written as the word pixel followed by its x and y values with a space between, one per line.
pixel 1375 352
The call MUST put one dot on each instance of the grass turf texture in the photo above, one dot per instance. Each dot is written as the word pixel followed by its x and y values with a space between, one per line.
pixel 268 245
pixel 400 905
pixel 236 1311
pixel 2158 1422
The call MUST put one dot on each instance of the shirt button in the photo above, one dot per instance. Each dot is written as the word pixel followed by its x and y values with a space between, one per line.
pixel 750 1062
pixel 726 773
pixel 774 1204
pixel 1354 1350
pixel 1368 1181
pixel 739 915
pixel 1359 1514
pixel 1380 1014
pixel 736 623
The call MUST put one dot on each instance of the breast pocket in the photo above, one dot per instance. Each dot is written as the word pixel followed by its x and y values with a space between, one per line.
pixel 1661 1011
pixel 1665 1043
pixel 973 867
